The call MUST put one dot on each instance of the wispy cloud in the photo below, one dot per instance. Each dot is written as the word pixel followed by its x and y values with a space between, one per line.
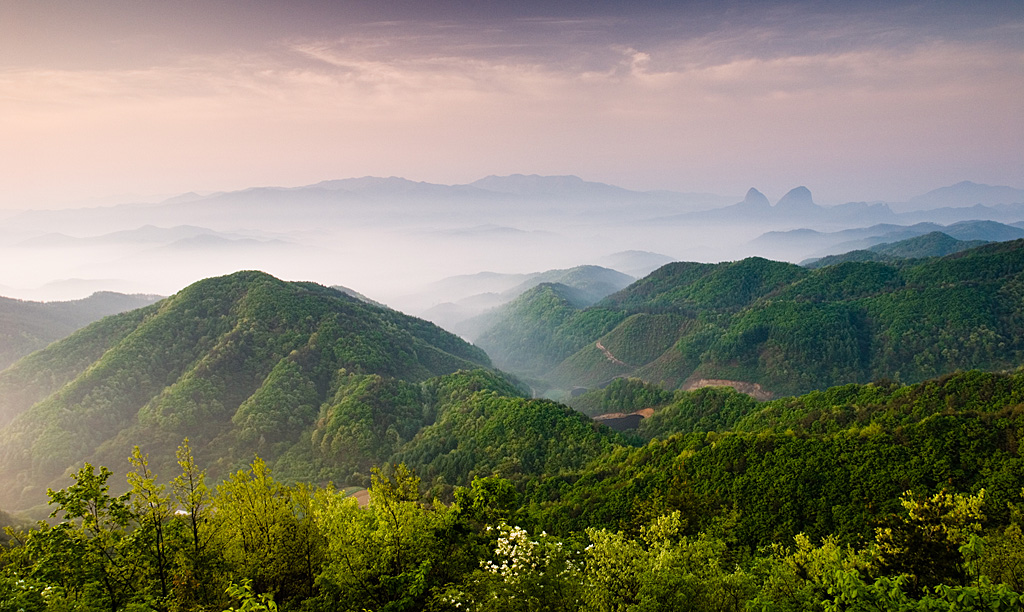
pixel 714 106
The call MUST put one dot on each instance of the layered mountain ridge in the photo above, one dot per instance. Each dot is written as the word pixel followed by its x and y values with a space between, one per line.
pixel 775 324
pixel 27 326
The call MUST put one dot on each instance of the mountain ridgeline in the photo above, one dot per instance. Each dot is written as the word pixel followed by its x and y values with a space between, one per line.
pixel 785 328
pixel 932 244
pixel 240 364
pixel 467 305
pixel 29 326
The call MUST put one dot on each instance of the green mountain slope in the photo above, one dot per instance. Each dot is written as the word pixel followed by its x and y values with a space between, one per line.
pixel 783 327
pixel 482 429
pixel 240 364
pixel 829 462
pixel 542 327
pixel 485 296
pixel 29 326
pixel 934 244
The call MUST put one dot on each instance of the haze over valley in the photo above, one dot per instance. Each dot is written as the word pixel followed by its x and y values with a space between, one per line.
pixel 393 239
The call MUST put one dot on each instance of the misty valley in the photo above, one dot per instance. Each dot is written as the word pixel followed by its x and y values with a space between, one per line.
pixel 521 393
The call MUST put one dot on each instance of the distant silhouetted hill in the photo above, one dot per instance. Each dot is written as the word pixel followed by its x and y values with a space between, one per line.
pixel 29 326
pixel 472 301
pixel 935 244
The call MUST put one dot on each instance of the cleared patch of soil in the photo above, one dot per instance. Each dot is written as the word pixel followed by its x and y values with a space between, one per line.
pixel 621 421
pixel 362 496
pixel 754 390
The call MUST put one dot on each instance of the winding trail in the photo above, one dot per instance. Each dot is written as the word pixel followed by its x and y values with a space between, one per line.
pixel 608 355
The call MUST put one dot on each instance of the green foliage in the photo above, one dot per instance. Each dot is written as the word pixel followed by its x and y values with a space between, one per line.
pixel 367 421
pixel 491 434
pixel 707 409
pixel 926 543
pixel 90 552
pixel 786 328
pixel 852 593
pixel 44 372
pixel 932 244
pixel 291 548
pixel 1002 557
pixel 153 511
pixel 196 557
pixel 542 327
pixel 828 463
pixel 684 287
pixel 250 601
pixel 886 404
pixel 386 557
pixel 239 364
pixel 267 533
pixel 487 500
pixel 284 405
pixel 29 326
pixel 802 577
pixel 642 337
pixel 662 570
pixel 621 395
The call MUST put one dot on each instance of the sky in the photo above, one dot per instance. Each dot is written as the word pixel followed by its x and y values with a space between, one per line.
pixel 122 100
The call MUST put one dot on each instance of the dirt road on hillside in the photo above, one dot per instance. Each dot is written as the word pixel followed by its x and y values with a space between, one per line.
pixel 608 355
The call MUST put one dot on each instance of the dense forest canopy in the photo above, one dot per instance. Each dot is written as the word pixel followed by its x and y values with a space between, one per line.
pixel 863 497
pixel 242 364
pixel 782 327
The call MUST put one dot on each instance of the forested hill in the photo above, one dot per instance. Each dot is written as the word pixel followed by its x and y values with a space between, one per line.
pixel 784 327
pixel 29 326
pixel 240 364
pixel 933 244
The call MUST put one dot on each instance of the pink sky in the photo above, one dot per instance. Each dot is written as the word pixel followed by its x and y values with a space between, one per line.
pixel 127 99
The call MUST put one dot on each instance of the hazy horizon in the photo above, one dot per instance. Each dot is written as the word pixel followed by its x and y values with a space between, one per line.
pixel 113 101
pixel 108 101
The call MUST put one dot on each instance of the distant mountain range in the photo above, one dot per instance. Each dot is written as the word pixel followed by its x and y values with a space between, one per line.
pixel 807 243
pixel 391 237
pixel 369 197
pixel 961 202
pixel 147 234
pixel 471 297
pixel 964 193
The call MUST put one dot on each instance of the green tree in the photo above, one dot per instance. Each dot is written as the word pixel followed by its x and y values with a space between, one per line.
pixel 154 511
pixel 925 544
pixel 90 553
pixel 268 537
pixel 662 570
pixel 385 557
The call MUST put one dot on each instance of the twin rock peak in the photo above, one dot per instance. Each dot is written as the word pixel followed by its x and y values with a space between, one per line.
pixel 797 199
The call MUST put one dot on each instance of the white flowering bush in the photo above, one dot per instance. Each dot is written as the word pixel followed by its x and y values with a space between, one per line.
pixel 22 595
pixel 528 573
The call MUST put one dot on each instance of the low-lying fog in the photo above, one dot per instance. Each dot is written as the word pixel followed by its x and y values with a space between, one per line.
pixel 392 240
